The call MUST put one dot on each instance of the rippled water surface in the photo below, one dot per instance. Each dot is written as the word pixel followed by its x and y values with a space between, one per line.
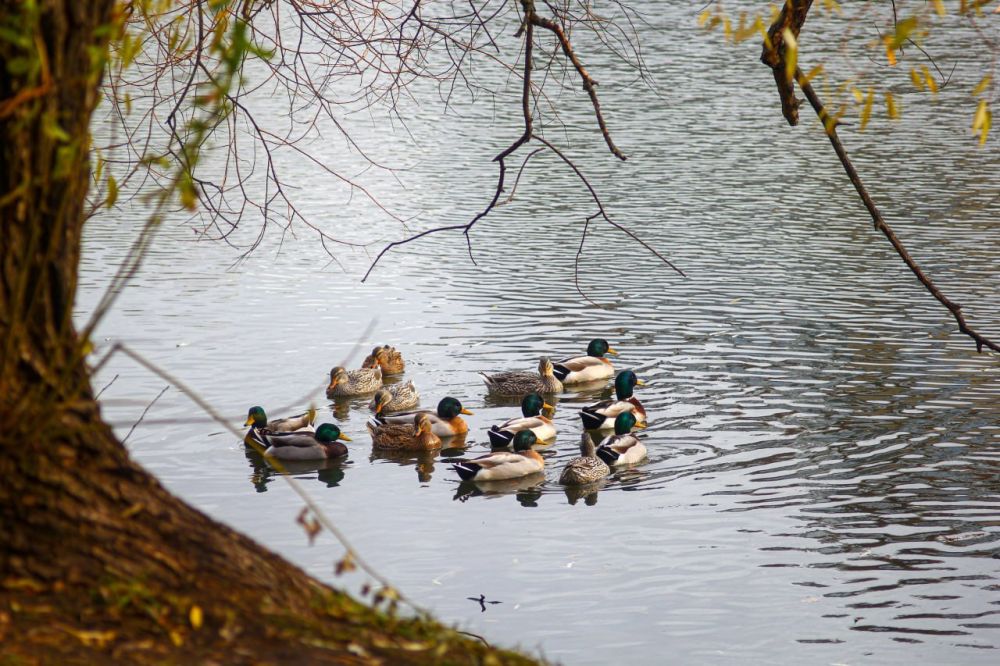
pixel 823 481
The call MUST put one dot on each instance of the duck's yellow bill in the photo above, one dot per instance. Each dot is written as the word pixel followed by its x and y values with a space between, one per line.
pixel 546 405
pixel 639 425
pixel 465 411
pixel 249 421
pixel 639 382
pixel 344 437
pixel 612 351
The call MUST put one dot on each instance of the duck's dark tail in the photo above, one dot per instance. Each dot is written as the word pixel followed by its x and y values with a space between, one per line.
pixel 500 439
pixel 560 371
pixel 607 454
pixel 466 470
pixel 591 420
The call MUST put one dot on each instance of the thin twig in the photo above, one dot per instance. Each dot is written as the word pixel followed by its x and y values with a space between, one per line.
pixel 143 415
pixel 880 223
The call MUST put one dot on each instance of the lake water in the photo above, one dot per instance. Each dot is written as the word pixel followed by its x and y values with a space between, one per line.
pixel 823 481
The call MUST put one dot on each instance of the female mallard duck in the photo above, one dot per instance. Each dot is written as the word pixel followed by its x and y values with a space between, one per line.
pixel 415 436
pixel 519 383
pixel 501 465
pixel 602 415
pixel 622 448
pixel 446 422
pixel 395 397
pixel 586 469
pixel 387 358
pixel 587 368
pixel 257 420
pixel 303 445
pixel 344 383
pixel 531 406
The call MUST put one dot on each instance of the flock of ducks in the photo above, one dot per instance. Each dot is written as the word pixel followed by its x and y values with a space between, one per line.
pixel 393 427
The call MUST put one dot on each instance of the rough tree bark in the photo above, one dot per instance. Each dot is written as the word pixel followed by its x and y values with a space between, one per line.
pixel 98 562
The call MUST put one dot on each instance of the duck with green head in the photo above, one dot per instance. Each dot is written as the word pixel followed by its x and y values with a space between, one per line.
pixel 303 445
pixel 519 383
pixel 531 408
pixel 257 420
pixel 601 415
pixel 501 465
pixel 623 447
pixel 588 468
pixel 445 422
pixel 347 383
pixel 587 368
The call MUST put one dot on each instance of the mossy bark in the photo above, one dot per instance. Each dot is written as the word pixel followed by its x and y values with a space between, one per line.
pixel 98 562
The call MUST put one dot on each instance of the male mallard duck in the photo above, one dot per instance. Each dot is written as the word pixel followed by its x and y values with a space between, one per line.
pixel 531 406
pixel 387 358
pixel 602 415
pixel 416 436
pixel 303 445
pixel 586 469
pixel 345 383
pixel 622 448
pixel 395 397
pixel 587 368
pixel 257 420
pixel 501 465
pixel 519 383
pixel 446 422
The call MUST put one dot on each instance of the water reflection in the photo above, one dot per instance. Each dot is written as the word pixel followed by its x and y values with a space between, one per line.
pixel 526 489
pixel 587 492
pixel 329 472
pixel 422 461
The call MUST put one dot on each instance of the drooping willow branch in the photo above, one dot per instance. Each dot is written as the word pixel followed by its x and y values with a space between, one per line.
pixel 530 20
pixel 792 16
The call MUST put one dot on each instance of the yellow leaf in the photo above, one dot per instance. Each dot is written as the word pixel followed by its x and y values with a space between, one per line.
pixel 979 118
pixel 866 110
pixel 982 85
pixel 818 69
pixel 890 55
pixel 891 107
pixel 982 121
pixel 703 18
pixel 196 617
pixel 112 191
pixel 176 638
pixel 930 80
pixel 791 53
pixel 939 7
pixel 918 83
pixel 858 95
pixel 96 639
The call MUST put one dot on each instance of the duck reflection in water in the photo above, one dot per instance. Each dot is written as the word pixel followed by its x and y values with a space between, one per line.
pixel 526 489
pixel 329 472
pixel 422 461
pixel 588 493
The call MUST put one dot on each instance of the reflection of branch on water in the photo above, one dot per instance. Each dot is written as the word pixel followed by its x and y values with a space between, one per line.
pixel 481 600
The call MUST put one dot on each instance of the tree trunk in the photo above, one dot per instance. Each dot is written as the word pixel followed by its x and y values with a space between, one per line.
pixel 98 562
